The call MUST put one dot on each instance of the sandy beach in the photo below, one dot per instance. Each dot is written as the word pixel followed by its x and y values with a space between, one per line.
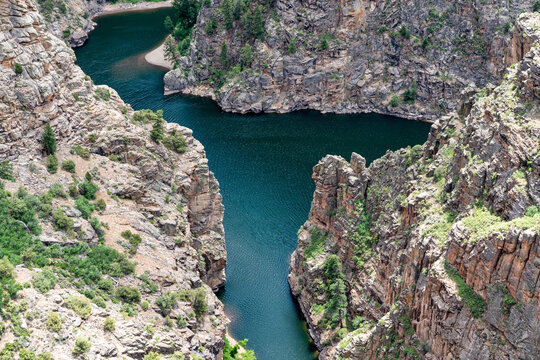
pixel 157 57
pixel 127 7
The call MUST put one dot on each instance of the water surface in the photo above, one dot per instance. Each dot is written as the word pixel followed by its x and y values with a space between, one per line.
pixel 264 165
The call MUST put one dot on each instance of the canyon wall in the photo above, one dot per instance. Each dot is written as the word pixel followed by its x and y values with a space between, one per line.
pixel 433 251
pixel 349 56
pixel 163 212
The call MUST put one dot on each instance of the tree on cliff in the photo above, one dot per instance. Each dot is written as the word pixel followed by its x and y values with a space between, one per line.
pixel 49 139
pixel 246 56
pixel 224 57
pixel 158 132
pixel 258 23
pixel 186 12
pixel 170 50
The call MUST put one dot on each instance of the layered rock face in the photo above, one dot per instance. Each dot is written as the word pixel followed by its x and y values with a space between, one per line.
pixel 433 252
pixel 70 20
pixel 163 211
pixel 352 56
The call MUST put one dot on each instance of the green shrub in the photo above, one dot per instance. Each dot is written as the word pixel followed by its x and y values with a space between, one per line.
pixel 57 191
pixel 246 56
pixel 405 33
pixel 175 141
pixel 145 305
pixel 52 164
pixel 100 205
pixel 80 151
pixel 147 284
pixel 69 166
pixel 88 189
pixel 82 345
pixel 44 281
pixel 84 206
pixel 80 305
pixel 99 301
pixel 61 221
pixel 394 101
pixel 128 294
pixel 152 356
pixel 197 297
pixel 532 211
pixel 167 301
pixel 146 116
pixel 103 94
pixel 323 44
pixel 6 268
pixel 134 240
pixel 49 139
pixel 409 96
pixel 292 45
pixel 109 324
pixel 18 68
pixel 168 322
pixel 181 322
pixel 6 170
pixel 474 302
pixel 536 6
pixel 54 323
pixel 106 285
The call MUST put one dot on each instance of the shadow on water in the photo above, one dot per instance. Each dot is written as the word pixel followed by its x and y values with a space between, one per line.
pixel 264 165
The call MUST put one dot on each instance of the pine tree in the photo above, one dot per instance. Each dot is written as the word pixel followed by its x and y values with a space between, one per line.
pixel 246 56
pixel 168 23
pixel 224 57
pixel 158 132
pixel 227 12
pixel 292 45
pixel 49 139
pixel 258 23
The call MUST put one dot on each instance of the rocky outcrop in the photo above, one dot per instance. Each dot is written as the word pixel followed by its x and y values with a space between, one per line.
pixel 170 199
pixel 351 56
pixel 433 251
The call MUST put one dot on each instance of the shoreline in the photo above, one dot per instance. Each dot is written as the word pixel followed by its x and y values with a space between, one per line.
pixel 119 8
pixel 156 57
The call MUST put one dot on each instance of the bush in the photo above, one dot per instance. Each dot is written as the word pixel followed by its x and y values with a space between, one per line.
pixel 82 345
pixel 146 116
pixel 166 301
pixel 80 305
pixel 6 269
pixel 145 305
pixel 81 151
pixel 536 7
pixel 44 281
pixel 100 205
pixel 168 322
pixel 109 324
pixel 474 302
pixel 49 139
pixel 409 96
pixel 57 191
pixel 99 301
pixel 394 101
pixel 405 33
pixel 6 170
pixel 61 221
pixel 18 68
pixel 73 190
pixel 176 141
pixel 84 206
pixel 292 45
pixel 54 323
pixel 134 240
pixel 147 284
pixel 103 94
pixel 88 189
pixel 152 356
pixel 52 164
pixel 181 322
pixel 106 285
pixel 246 56
pixel 69 166
pixel 128 294
pixel 197 297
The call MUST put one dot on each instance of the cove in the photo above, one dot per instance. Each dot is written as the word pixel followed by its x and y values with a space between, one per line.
pixel 264 165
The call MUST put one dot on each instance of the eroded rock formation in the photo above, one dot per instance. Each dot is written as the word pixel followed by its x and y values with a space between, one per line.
pixel 350 56
pixel 169 199
pixel 433 251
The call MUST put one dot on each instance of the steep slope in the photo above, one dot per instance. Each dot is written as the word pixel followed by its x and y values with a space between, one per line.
pixel 433 252
pixel 139 239
pixel 409 58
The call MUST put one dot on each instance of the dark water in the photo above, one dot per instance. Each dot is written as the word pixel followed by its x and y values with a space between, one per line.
pixel 263 164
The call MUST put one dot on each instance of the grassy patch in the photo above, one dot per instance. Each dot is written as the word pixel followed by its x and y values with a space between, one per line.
pixel 474 302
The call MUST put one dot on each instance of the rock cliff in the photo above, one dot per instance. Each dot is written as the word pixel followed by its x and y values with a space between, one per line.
pixel 433 251
pixel 113 228
pixel 408 58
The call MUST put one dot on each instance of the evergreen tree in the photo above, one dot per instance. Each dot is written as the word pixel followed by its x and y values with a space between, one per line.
pixel 170 51
pixel 247 21
pixel 227 12
pixel 292 45
pixel 224 57
pixel 246 56
pixel 158 131
pixel 168 23
pixel 49 139
pixel 258 23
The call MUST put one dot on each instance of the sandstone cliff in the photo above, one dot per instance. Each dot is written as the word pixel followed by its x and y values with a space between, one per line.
pixel 157 209
pixel 433 252
pixel 350 56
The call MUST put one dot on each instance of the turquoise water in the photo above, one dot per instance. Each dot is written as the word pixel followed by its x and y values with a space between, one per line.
pixel 264 165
